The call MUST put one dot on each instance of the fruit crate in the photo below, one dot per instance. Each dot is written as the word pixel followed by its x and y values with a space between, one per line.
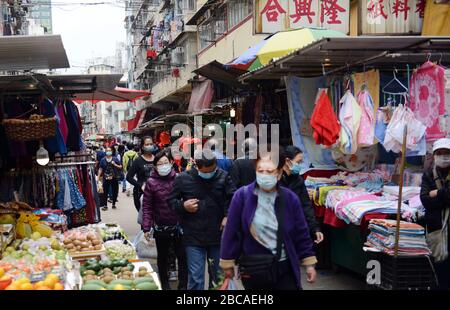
pixel 405 272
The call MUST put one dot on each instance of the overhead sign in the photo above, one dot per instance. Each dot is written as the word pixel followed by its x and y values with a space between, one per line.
pixel 278 15
pixel 392 16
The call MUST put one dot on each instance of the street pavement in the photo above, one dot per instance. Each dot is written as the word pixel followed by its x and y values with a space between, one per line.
pixel 126 216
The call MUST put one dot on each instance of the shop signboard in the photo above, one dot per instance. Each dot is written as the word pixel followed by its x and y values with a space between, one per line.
pixel 385 17
pixel 124 126
pixel 277 15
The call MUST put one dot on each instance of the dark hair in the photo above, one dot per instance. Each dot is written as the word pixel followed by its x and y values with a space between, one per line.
pixel 124 142
pixel 145 138
pixel 279 151
pixel 164 153
pixel 207 159
pixel 121 148
pixel 291 151
pixel 130 146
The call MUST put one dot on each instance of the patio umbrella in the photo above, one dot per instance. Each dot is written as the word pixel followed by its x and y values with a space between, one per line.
pixel 284 42
pixel 118 94
pixel 244 61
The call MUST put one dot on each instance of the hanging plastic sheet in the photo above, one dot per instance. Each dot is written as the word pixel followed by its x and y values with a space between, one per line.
pixel 201 96
pixel 301 93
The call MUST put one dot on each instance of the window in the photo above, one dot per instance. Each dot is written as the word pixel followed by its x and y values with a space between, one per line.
pixel 213 28
pixel 189 5
pixel 238 10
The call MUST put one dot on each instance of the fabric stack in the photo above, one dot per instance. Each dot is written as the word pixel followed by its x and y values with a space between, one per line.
pixel 411 242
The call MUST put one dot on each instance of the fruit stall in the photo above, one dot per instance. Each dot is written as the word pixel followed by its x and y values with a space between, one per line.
pixel 92 257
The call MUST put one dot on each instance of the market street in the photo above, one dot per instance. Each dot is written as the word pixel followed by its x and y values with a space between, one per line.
pixel 126 216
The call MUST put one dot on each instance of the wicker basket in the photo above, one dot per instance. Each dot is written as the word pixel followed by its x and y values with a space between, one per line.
pixel 30 130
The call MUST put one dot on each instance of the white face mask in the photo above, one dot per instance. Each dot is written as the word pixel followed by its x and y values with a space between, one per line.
pixel 442 161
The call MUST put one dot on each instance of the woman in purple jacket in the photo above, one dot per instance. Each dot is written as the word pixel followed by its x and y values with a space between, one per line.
pixel 251 233
pixel 158 215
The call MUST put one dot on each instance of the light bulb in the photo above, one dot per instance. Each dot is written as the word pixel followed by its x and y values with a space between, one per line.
pixel 232 112
pixel 42 157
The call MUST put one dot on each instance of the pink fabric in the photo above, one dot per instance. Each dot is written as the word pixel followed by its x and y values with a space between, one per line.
pixel 342 204
pixel 428 99
pixel 366 132
pixel 201 96
pixel 62 123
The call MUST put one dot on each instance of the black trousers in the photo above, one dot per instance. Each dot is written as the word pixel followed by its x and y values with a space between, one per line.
pixel 286 279
pixel 137 193
pixel 163 244
pixel 107 185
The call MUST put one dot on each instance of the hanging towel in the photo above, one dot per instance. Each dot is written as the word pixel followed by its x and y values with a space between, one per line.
pixel 350 118
pixel 427 98
pixel 324 121
pixel 366 132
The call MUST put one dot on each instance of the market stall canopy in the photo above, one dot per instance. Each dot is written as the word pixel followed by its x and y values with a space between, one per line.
pixel 117 94
pixel 332 55
pixel 282 43
pixel 221 73
pixel 137 120
pixel 32 52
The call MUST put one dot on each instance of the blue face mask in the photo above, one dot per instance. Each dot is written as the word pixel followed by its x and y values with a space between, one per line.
pixel 296 168
pixel 206 176
pixel 108 153
pixel 266 182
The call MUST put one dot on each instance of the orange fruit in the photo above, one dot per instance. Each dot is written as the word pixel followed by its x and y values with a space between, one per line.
pixel 2 272
pixel 38 284
pixel 53 276
pixel 49 283
pixel 59 287
pixel 23 281
pixel 43 288
pixel 26 286
pixel 12 287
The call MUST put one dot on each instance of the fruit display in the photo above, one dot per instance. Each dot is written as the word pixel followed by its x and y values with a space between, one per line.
pixel 82 240
pixel 50 282
pixel 15 206
pixel 6 235
pixel 29 223
pixel 120 278
pixel 55 219
pixel 35 259
pixel 117 249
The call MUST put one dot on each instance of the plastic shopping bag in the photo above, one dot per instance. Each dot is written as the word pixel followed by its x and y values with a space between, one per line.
pixel 228 285
pixel 143 247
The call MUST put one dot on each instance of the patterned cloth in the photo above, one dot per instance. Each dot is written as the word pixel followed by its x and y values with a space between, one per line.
pixel 265 224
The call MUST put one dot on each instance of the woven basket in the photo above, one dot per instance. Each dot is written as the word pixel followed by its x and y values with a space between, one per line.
pixel 30 130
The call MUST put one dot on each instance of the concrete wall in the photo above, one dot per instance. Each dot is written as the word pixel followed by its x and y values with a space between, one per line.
pixel 232 45
pixel 170 84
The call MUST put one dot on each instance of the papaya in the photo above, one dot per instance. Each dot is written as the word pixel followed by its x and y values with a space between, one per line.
pixel 97 282
pixel 91 287
pixel 147 286
pixel 24 230
pixel 111 286
pixel 43 229
pixel 7 219
pixel 143 279
pixel 123 282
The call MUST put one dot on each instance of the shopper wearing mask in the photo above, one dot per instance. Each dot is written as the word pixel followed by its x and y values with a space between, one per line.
pixel 243 169
pixel 157 214
pixel 128 158
pixel 292 179
pixel 201 196
pixel 109 172
pixel 435 197
pixel 141 169
pixel 267 235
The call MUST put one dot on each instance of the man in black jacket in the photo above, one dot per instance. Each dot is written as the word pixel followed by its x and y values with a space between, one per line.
pixel 292 179
pixel 243 171
pixel 202 196
pixel 435 197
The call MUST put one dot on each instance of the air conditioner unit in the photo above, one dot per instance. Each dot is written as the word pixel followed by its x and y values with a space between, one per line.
pixel 179 50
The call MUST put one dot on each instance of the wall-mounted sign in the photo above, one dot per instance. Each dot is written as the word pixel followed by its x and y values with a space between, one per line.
pixel 391 16
pixel 276 15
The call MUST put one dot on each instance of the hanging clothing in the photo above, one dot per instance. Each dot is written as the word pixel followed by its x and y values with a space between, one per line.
pixel 350 118
pixel 62 122
pixel 366 132
pixel 371 79
pixel 73 124
pixel 324 121
pixel 427 97
pixel 436 19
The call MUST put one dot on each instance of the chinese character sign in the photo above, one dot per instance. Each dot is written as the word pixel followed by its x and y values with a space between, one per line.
pixel 392 16
pixel 277 15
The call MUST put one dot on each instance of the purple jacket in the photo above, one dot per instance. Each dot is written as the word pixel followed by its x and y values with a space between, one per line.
pixel 297 240
pixel 156 210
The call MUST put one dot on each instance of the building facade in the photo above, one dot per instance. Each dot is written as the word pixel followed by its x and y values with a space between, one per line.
pixel 41 12
pixel 13 17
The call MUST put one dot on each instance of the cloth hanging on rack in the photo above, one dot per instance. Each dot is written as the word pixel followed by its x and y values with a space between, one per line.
pixel 73 124
pixel 366 132
pixel 383 117
pixel 427 97
pixel 371 79
pixel 62 122
pixel 350 118
pixel 436 19
pixel 324 121
pixel 56 144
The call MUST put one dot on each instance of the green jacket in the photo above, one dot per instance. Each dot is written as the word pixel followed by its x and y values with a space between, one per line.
pixel 126 158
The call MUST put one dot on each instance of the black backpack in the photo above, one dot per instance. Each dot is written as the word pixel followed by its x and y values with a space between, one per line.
pixel 130 161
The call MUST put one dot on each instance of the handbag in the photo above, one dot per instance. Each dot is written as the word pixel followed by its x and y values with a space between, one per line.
pixel 261 271
pixel 167 231
pixel 437 240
